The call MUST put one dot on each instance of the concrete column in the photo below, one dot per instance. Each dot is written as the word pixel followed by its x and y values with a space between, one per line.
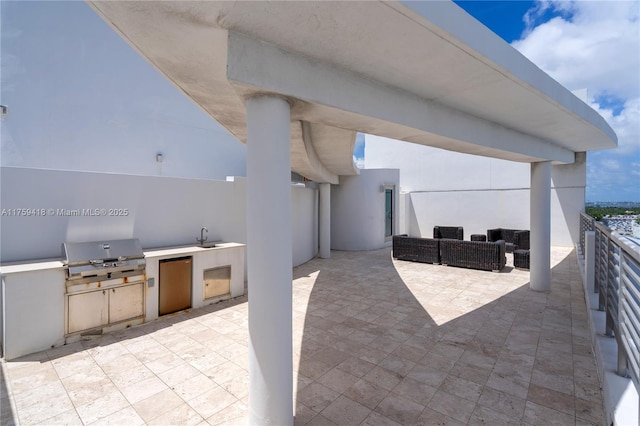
pixel 540 272
pixel 269 264
pixel 325 220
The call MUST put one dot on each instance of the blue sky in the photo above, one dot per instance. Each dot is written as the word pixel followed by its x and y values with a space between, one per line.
pixel 582 44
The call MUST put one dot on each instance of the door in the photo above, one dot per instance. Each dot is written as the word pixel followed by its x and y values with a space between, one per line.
pixel 388 212
pixel 87 310
pixel 126 302
pixel 175 285
pixel 217 282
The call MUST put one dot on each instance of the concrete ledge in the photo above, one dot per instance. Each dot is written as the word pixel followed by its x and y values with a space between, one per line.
pixel 621 401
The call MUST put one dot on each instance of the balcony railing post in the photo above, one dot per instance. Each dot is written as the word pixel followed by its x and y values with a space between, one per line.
pixel 589 260
pixel 623 361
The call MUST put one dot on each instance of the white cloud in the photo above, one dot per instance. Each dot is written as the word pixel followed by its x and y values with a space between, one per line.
pixel 626 125
pixel 595 45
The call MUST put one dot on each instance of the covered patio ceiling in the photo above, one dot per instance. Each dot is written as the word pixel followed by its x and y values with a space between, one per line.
pixel 423 72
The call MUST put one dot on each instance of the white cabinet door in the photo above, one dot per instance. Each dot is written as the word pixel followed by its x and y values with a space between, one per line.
pixel 88 310
pixel 126 302
pixel 217 281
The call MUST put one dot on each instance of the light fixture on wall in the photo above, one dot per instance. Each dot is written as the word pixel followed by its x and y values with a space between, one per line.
pixel 4 110
pixel 159 158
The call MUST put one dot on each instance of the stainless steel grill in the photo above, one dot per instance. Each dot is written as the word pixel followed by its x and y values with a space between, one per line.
pixel 103 260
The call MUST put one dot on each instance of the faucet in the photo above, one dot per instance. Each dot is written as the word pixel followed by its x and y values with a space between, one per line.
pixel 202 238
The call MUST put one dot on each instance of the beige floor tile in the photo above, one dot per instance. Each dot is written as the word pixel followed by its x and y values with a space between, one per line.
pixel 42 403
pixel 415 391
pixel 462 388
pixel 430 417
pixel 143 389
pixel 502 403
pixel 101 407
pixel 344 411
pixel 355 366
pixel 399 409
pixel 487 416
pixel 428 375
pixel 211 402
pixel 452 406
pixel 41 377
pixel 83 388
pixel 182 415
pixel 320 420
pixel 235 414
pixel 375 419
pixel 157 405
pixel 69 417
pixel 126 416
pixel 337 380
pixel 535 414
pixel 317 396
pixel 367 394
pixel 551 399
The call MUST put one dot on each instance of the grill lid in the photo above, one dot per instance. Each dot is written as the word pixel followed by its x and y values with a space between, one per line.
pixel 102 257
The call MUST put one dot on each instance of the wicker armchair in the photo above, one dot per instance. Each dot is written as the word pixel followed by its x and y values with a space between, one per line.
pixel 521 240
pixel 414 249
pixel 451 232
pixel 511 237
pixel 521 259
pixel 488 256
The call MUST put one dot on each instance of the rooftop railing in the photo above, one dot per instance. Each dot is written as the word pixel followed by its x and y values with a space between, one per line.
pixel 617 282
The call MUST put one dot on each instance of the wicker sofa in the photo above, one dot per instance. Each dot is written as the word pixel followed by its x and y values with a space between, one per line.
pixel 488 256
pixel 415 249
pixel 451 232
pixel 514 238
pixel 485 255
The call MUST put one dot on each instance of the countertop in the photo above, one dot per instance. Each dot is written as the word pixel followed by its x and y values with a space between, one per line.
pixel 46 264
pixel 171 251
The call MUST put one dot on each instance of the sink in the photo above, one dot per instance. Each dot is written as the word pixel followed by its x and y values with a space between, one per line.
pixel 209 244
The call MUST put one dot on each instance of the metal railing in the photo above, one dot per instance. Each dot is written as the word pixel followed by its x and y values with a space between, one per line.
pixel 617 280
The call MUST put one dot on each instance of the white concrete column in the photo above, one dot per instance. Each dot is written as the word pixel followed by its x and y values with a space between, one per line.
pixel 269 264
pixel 540 272
pixel 324 224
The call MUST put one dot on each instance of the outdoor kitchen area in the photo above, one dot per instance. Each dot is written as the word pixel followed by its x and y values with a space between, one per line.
pixel 102 286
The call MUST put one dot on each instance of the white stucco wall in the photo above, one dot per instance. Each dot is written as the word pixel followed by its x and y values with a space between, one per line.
pixel 358 210
pixel 74 106
pixel 162 211
pixel 448 188
pixel 304 222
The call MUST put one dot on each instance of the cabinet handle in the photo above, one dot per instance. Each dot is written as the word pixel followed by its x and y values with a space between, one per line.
pixel 104 291
pixel 114 290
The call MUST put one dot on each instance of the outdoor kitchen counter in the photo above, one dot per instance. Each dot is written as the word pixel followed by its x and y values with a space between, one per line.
pixel 32 304
pixel 204 258
pixel 32 296
pixel 38 265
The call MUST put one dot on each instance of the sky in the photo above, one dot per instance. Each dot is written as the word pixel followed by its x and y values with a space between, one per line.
pixel 582 44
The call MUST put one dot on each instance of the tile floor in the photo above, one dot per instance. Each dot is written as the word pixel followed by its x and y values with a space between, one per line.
pixel 376 342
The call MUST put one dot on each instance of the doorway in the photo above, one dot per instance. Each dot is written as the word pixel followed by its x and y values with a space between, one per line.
pixel 388 212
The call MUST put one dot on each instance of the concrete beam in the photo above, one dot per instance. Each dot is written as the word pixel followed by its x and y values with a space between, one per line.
pixel 340 98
